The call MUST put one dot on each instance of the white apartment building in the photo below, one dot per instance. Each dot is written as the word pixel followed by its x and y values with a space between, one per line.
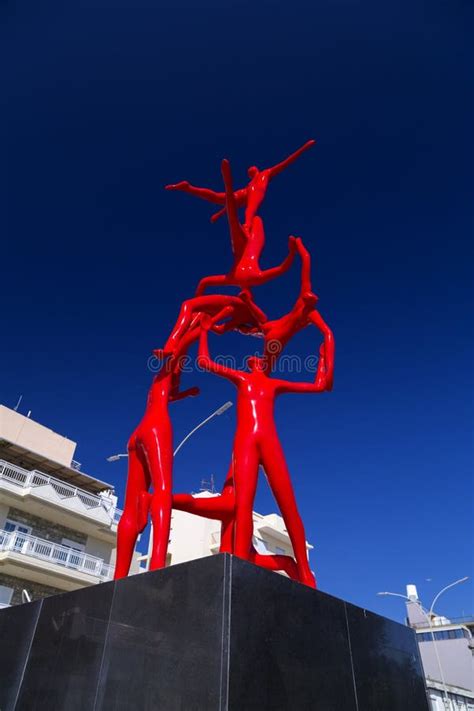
pixel 446 650
pixel 58 526
pixel 196 537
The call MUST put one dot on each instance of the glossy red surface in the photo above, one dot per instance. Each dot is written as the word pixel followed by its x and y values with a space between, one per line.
pixel 256 441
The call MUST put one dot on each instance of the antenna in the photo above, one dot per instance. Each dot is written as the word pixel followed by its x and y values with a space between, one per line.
pixel 208 485
pixel 18 403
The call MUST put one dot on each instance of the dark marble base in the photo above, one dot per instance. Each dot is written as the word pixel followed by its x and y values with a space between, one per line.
pixel 213 634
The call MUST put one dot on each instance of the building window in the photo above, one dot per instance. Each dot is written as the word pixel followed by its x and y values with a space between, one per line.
pixel 11 526
pixel 6 595
pixel 17 539
pixel 441 635
pixel 72 557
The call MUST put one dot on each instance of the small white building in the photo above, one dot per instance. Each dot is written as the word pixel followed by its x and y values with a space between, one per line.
pixel 194 537
pixel 446 650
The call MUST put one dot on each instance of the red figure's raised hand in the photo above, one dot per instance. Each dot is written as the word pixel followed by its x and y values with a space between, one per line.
pixel 250 197
pixel 256 443
pixel 247 245
pixel 278 332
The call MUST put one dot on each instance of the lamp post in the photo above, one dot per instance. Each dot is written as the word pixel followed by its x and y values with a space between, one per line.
pixel 116 457
pixel 428 616
pixel 220 410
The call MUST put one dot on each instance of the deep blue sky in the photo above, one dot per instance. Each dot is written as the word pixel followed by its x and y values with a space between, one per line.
pixel 108 101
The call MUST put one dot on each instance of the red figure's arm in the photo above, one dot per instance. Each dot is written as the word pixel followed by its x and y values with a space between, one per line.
pixel 217 215
pixel 255 311
pixel 318 386
pixel 305 279
pixel 205 360
pixel 279 167
pixel 190 392
pixel 329 346
pixel 240 198
pixel 203 193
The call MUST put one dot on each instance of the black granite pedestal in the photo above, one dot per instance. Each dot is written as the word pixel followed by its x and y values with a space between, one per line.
pixel 215 634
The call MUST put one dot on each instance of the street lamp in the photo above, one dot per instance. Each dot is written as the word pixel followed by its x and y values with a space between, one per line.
pixel 116 457
pixel 220 410
pixel 428 616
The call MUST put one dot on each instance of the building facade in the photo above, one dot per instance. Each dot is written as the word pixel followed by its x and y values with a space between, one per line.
pixel 446 650
pixel 58 526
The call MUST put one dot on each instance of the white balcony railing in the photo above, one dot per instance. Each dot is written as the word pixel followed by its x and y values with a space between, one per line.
pixel 42 549
pixel 31 479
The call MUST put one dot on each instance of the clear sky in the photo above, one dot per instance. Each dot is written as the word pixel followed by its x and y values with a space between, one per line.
pixel 108 101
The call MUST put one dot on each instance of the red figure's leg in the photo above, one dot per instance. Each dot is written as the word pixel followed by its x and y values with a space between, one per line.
pixel 227 527
pixel 246 463
pixel 132 521
pixel 157 456
pixel 203 193
pixel 279 479
pixel 237 235
pixel 276 562
pixel 274 272
pixel 216 280
pixel 227 536
pixel 214 507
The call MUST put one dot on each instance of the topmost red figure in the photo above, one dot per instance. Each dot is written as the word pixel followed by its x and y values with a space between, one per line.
pixel 250 197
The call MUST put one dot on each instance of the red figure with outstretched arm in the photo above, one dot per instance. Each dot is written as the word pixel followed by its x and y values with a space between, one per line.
pixel 256 443
pixel 150 463
pixel 247 245
pixel 250 197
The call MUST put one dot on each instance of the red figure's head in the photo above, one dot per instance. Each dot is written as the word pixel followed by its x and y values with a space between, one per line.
pixel 252 171
pixel 256 364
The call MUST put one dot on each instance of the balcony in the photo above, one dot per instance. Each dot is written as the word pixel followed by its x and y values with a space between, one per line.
pixel 51 490
pixel 51 562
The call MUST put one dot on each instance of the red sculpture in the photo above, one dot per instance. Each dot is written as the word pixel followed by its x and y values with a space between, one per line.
pixel 256 441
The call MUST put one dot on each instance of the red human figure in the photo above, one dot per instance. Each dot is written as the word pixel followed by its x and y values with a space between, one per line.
pixel 150 463
pixel 244 313
pixel 247 245
pixel 278 332
pixel 256 443
pixel 250 197
pixel 222 508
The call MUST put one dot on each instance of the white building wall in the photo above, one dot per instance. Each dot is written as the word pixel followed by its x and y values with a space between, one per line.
pixel 98 548
pixel 191 537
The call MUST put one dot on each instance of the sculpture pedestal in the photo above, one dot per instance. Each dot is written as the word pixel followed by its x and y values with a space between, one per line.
pixel 215 634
